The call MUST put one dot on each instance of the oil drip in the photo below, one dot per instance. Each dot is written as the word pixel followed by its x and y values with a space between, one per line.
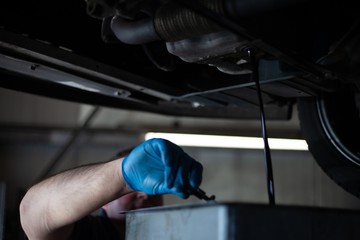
pixel 269 173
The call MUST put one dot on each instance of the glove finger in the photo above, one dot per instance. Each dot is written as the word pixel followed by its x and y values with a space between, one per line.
pixel 156 149
pixel 195 174
pixel 192 174
pixel 179 176
pixel 170 176
pixel 174 183
pixel 174 158
pixel 179 168
pixel 159 149
pixel 182 183
pixel 181 195
pixel 176 191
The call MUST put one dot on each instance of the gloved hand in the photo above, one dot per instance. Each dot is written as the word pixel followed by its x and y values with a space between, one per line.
pixel 158 166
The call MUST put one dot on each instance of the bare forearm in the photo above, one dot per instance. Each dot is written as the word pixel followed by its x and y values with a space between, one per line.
pixel 67 197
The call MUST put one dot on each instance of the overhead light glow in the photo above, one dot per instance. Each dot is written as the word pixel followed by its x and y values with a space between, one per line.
pixel 217 141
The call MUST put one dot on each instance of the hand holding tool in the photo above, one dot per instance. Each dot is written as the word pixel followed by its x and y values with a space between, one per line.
pixel 157 166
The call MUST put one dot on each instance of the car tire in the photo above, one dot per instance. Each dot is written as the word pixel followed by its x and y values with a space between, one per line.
pixel 330 124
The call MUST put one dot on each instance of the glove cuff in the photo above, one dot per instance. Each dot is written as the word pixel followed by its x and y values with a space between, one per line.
pixel 125 177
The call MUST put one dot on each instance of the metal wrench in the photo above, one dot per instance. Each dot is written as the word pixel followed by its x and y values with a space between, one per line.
pixel 199 193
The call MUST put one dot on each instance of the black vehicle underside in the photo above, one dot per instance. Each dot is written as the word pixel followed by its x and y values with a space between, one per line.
pixel 208 72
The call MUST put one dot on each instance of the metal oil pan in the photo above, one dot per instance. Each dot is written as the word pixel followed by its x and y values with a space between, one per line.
pixel 236 221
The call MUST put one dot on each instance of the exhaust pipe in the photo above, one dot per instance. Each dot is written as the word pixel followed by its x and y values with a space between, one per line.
pixel 173 22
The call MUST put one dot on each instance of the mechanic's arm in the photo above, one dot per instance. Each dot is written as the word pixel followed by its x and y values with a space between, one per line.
pixel 51 207
pixel 157 166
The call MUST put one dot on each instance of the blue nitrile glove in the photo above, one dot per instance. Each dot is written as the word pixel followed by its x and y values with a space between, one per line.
pixel 158 166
